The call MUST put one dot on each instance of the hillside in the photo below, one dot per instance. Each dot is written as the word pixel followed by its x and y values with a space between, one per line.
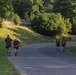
pixel 23 33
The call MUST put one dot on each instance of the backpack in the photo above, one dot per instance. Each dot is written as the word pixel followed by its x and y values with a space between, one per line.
pixel 8 41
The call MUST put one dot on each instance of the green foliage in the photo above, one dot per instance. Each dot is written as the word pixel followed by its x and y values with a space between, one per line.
pixel 48 8
pixel 36 8
pixel 68 10
pixel 48 5
pixel 1 21
pixel 16 19
pixel 32 10
pixel 27 8
pixel 74 25
pixel 51 24
pixel 5 8
pixel 66 7
pixel 22 7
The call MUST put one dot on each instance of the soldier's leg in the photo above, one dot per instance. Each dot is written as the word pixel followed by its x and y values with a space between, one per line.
pixel 57 48
pixel 63 49
pixel 16 51
pixel 9 51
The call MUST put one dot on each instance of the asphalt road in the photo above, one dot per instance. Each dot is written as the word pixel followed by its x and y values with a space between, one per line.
pixel 43 59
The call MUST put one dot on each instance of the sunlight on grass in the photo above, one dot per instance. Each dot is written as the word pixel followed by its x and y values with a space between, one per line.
pixel 23 34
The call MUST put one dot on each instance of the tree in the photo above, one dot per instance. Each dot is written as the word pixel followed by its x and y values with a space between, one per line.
pixel 6 8
pixel 21 7
pixel 48 5
pixel 51 24
pixel 66 7
pixel 28 8
pixel 16 19
pixel 68 10
pixel 74 25
pixel 37 8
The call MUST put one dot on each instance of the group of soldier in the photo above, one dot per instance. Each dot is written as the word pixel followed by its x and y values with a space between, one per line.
pixel 8 43
pixel 16 43
pixel 61 44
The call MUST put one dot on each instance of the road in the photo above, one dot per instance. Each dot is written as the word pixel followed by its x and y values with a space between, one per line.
pixel 43 59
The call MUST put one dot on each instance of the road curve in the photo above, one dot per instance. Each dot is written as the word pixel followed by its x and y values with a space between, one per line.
pixel 43 59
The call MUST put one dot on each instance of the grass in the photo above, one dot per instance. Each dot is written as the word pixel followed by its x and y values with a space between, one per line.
pixel 25 35
pixel 6 68
pixel 71 49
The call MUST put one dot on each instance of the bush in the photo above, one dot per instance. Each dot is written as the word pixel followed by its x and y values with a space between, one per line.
pixel 16 19
pixel 1 21
pixel 51 24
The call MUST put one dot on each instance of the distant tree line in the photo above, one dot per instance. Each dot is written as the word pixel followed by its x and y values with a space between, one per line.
pixel 48 17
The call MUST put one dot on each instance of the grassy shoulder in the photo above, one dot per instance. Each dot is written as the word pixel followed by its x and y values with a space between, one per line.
pixel 6 68
pixel 25 35
pixel 71 48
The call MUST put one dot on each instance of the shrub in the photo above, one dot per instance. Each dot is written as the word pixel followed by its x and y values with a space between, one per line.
pixel 16 19
pixel 51 24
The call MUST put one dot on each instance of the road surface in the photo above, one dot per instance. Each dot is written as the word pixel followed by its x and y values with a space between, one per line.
pixel 43 59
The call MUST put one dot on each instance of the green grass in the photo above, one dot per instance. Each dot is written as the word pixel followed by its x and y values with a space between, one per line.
pixel 71 48
pixel 6 68
pixel 25 35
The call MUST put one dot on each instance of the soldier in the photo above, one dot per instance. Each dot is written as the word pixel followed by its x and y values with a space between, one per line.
pixel 8 41
pixel 63 43
pixel 16 44
pixel 58 44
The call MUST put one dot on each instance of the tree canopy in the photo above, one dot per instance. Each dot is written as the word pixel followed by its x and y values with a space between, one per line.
pixel 68 10
pixel 48 15
pixel 6 8
pixel 51 24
